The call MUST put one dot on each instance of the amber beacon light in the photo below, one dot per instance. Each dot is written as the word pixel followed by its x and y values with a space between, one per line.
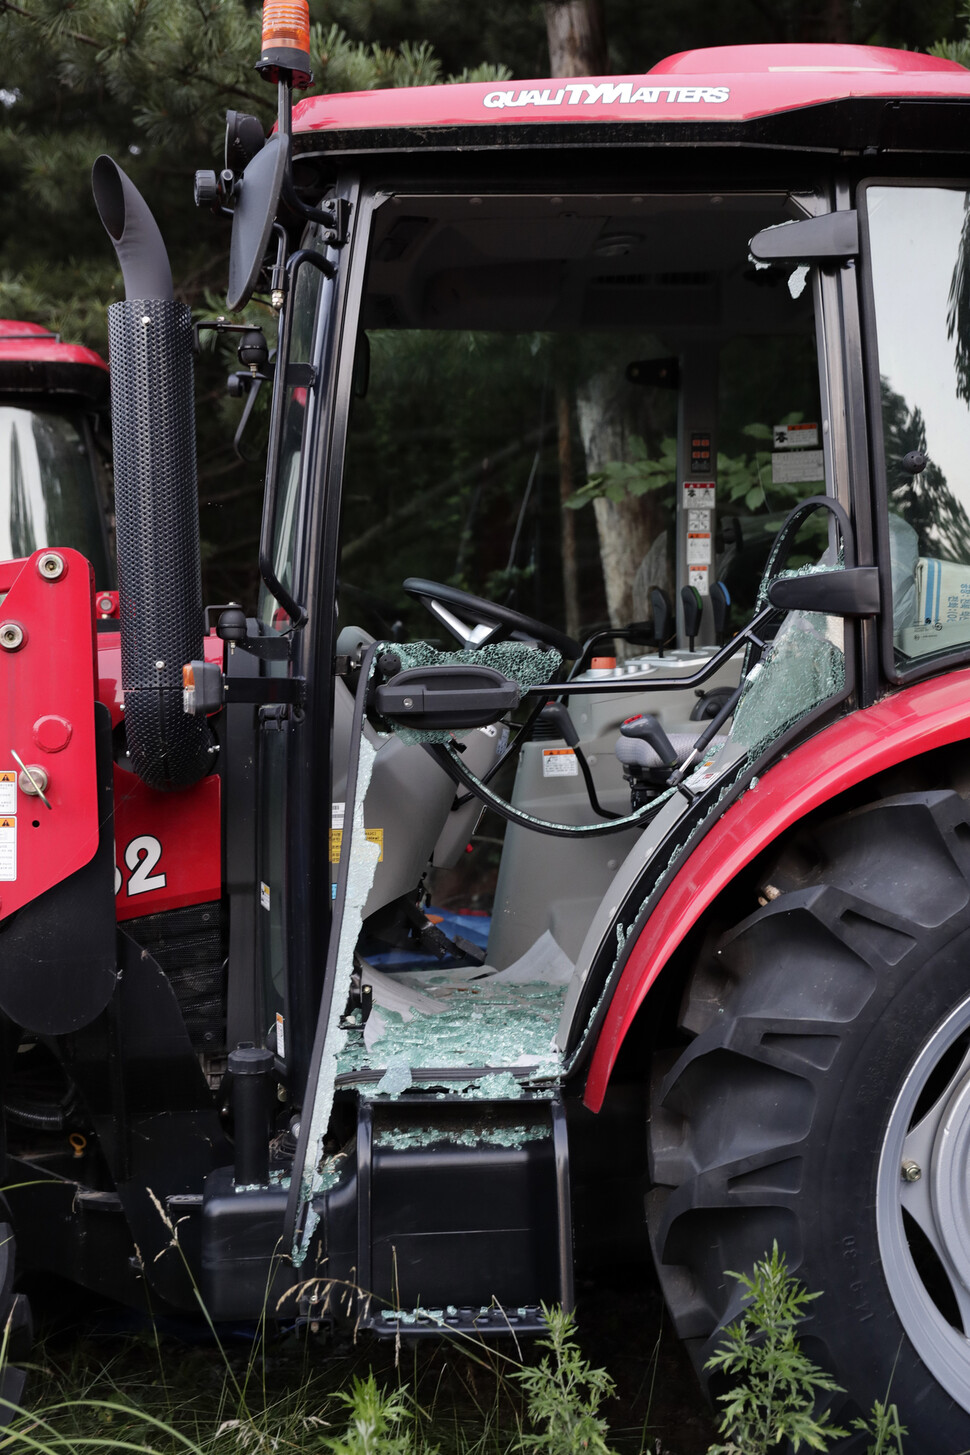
pixel 285 52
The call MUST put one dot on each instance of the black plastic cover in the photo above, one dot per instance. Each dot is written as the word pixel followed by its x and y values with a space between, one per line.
pixel 836 593
pixel 446 697
pixel 832 236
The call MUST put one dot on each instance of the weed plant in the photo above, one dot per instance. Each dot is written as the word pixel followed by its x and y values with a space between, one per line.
pixel 775 1397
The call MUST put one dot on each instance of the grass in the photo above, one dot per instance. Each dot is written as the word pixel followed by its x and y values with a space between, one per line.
pixel 107 1390
pixel 257 1391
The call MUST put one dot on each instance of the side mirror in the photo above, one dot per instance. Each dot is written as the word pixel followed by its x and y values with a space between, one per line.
pixel 257 196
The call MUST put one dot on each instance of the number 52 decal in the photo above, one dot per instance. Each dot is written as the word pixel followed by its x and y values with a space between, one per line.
pixel 141 857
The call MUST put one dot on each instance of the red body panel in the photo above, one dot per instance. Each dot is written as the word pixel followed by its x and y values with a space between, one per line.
pixel 900 727
pixel 29 341
pixel 725 83
pixel 168 846
pixel 47 692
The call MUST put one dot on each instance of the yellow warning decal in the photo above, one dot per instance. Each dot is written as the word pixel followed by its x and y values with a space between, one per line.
pixel 375 836
pixel 8 790
pixel 8 849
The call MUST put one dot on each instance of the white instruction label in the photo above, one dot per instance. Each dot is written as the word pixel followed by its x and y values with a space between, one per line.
pixel 264 895
pixel 8 848
pixel 559 763
pixel 8 790
pixel 697 576
pixel 699 493
pixel 795 468
pixel 280 1037
pixel 698 520
pixel 793 436
pixel 698 548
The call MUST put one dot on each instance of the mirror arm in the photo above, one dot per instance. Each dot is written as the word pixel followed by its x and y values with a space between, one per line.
pixel 296 612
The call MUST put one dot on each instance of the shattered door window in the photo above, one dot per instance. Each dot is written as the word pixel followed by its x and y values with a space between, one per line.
pixel 517 434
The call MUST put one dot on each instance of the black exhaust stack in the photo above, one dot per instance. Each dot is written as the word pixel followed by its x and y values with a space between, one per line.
pixel 156 493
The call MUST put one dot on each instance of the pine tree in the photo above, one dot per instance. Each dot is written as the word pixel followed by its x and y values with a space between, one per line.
pixel 149 82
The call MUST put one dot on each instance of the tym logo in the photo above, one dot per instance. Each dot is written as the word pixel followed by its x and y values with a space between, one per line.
pixel 611 93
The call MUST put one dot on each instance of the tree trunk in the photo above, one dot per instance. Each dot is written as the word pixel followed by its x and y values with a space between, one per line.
pixel 626 528
pixel 577 37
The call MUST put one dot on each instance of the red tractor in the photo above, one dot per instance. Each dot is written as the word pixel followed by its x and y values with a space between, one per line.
pixel 705 986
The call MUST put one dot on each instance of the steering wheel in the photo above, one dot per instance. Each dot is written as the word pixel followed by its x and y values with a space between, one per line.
pixel 480 622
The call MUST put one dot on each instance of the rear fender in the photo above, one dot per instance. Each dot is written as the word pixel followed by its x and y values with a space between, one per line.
pixel 914 721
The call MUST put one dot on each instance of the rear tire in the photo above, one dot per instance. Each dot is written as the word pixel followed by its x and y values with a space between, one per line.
pixel 831 1045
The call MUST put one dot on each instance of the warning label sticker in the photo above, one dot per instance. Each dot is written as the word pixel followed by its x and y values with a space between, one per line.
pixel 559 763
pixel 8 790
pixel 698 520
pixel 263 895
pixel 793 436
pixel 698 576
pixel 794 469
pixel 699 493
pixel 698 548
pixel 280 1036
pixel 8 848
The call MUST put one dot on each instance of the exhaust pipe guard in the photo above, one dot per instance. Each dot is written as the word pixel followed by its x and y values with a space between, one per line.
pixel 156 494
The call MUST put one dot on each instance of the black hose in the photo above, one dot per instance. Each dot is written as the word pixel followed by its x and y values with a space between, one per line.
pixel 450 759
pixel 38 1116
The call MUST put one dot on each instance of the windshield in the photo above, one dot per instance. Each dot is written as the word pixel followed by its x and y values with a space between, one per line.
pixel 544 374
pixel 48 487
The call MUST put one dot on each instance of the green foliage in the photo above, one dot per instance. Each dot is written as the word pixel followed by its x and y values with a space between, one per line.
pixel 564 1395
pixel 956 49
pixel 621 479
pixel 884 1427
pixel 379 1422
pixel 742 480
pixel 776 1384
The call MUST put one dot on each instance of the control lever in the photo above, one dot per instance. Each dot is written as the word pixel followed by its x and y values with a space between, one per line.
pixel 693 604
pixel 721 610
pixel 660 608
pixel 647 727
pixel 557 714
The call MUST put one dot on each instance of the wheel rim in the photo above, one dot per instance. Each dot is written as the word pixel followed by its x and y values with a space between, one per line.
pixel 923 1204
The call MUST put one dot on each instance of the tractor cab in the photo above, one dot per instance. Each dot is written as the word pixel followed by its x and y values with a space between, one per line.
pixel 53 419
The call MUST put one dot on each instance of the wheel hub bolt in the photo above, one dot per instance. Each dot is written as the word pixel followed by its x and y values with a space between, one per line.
pixel 911 1171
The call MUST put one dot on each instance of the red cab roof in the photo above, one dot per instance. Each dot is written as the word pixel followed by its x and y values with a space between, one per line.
pixel 727 83
pixel 30 342
pixel 34 363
